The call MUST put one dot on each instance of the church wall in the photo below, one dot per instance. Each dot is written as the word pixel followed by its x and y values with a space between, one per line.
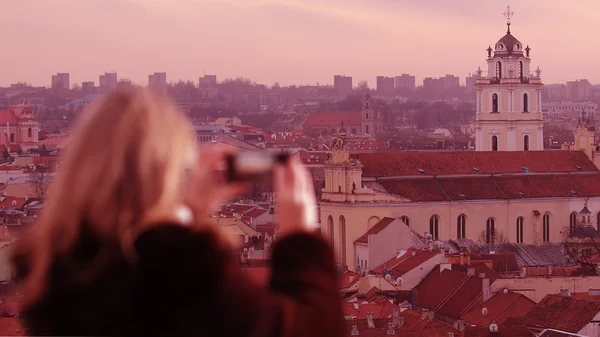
pixel 385 245
pixel 536 288
pixel 504 213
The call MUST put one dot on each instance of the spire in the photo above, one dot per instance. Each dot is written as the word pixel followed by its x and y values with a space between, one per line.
pixel 508 15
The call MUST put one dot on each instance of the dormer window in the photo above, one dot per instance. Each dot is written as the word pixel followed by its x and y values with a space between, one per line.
pixel 500 47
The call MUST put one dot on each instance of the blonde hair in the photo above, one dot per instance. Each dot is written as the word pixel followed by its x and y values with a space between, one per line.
pixel 123 164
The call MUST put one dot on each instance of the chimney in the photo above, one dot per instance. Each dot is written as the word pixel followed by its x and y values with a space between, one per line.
pixel 391 330
pixel 486 289
pixel 444 266
pixel 431 315
pixel 564 292
pixel 470 271
pixel 523 272
pixel 424 314
pixel 370 322
pixel 354 331
pixel 396 319
pixel 594 292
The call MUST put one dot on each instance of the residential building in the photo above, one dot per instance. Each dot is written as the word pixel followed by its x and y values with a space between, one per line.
pixel 509 100
pixel 88 87
pixel 124 84
pixel 385 85
pixel 578 90
pixel 569 109
pixel 450 82
pixel 157 81
pixel 470 82
pixel 108 82
pixel 405 81
pixel 60 81
pixel 343 84
pixel 207 81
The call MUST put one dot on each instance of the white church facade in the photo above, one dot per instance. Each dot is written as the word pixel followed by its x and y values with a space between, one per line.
pixel 508 188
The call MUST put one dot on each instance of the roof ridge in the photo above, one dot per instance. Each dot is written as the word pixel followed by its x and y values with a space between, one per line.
pixel 441 189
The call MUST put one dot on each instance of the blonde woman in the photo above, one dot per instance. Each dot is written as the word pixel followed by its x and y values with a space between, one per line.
pixel 122 249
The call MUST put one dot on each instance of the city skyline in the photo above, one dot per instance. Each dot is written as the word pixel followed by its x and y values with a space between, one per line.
pixel 289 42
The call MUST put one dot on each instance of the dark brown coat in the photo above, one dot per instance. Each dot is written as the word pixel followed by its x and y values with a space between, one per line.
pixel 187 284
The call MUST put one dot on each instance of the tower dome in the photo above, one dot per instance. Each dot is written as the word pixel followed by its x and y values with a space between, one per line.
pixel 508 44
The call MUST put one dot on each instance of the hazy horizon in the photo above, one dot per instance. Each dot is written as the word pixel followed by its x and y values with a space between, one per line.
pixel 287 41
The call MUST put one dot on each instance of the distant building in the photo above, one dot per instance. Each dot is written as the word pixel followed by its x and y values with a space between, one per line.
pixel 18 129
pixel 60 81
pixel 405 81
pixel 569 109
pixel 385 85
pixel 108 82
pixel 470 83
pixel 207 81
pixel 343 84
pixel 157 81
pixel 578 90
pixel 88 87
pixel 124 84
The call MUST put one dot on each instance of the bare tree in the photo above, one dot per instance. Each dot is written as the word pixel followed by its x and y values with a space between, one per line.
pixel 40 180
pixel 582 245
pixel 497 238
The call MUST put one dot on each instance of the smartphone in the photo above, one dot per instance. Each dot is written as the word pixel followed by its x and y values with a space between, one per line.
pixel 252 166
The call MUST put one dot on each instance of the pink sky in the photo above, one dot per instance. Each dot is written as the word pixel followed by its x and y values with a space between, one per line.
pixel 289 41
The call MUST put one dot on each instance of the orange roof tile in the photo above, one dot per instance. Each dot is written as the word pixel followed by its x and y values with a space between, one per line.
pixel 503 331
pixel 399 266
pixel 381 225
pixel 330 119
pixel 379 310
pixel 562 313
pixel 462 299
pixel 432 291
pixel 499 308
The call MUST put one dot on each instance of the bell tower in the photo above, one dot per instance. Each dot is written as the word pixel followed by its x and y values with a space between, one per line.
pixel 371 120
pixel 509 98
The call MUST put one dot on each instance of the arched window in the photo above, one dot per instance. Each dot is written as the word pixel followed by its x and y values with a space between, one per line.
pixel 526 143
pixel 434 224
pixel 495 103
pixel 520 69
pixel 330 230
pixel 494 143
pixel 520 229
pixel 498 69
pixel 366 129
pixel 525 103
pixel 490 231
pixel 461 224
pixel 372 221
pixel 572 222
pixel 367 115
pixel 29 133
pixel 342 240
pixel 405 219
pixel 546 228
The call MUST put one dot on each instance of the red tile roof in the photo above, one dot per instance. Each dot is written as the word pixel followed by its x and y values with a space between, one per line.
pixel 585 296
pixel 399 266
pixel 464 162
pixel 413 326
pixel 381 225
pixel 503 331
pixel 502 262
pixel 379 310
pixel 562 313
pixel 499 308
pixel 331 119
pixel 11 202
pixel 463 299
pixel 347 279
pixel 418 189
pixel 11 326
pixel 432 291
pixel 480 268
pixel 8 116
pixel 255 213
pixel 538 186
pixel 268 228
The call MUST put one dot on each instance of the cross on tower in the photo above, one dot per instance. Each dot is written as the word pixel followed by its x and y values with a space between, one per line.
pixel 508 14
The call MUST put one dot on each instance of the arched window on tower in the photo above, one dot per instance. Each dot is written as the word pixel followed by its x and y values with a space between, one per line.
pixel 342 240
pixel 499 69
pixel 366 129
pixel 546 228
pixel 29 132
pixel 330 230
pixel 434 224
pixel 526 143
pixel 525 103
pixel 494 143
pixel 461 224
pixel 520 221
pixel 366 115
pixel 520 69
pixel 572 222
pixel 495 103
pixel 490 231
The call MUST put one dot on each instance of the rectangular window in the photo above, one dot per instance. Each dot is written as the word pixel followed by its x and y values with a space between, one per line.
pixel 12 137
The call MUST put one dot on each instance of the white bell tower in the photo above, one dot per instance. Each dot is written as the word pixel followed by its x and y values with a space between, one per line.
pixel 509 99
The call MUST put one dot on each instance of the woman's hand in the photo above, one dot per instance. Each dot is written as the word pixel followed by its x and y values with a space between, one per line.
pixel 206 188
pixel 296 202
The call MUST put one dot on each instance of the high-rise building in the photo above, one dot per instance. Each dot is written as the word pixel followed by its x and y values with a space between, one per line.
pixel 60 81
pixel 450 82
pixel 207 81
pixel 579 90
pixel 343 84
pixel 108 82
pixel 88 87
pixel 405 81
pixel 470 82
pixel 157 81
pixel 385 85
pixel 124 84
pixel 509 100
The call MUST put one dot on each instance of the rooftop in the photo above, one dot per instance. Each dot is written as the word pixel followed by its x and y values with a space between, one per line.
pixel 562 313
pixel 498 309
